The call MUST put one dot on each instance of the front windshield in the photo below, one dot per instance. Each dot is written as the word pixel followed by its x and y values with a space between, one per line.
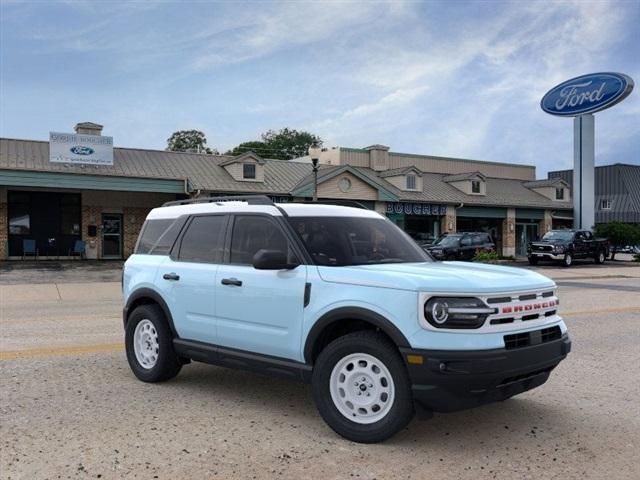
pixel 558 235
pixel 447 241
pixel 344 241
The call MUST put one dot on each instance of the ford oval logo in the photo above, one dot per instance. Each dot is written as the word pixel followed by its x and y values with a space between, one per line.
pixel 587 94
pixel 79 150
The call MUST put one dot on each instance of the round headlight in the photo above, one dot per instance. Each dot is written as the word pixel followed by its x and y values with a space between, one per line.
pixel 439 311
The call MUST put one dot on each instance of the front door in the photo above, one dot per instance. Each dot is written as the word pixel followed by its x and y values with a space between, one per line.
pixel 111 235
pixel 259 310
pixel 525 233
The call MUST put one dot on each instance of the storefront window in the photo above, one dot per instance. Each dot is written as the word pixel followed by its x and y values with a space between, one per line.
pixel 19 220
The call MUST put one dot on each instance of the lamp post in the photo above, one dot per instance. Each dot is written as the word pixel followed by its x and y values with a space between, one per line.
pixel 314 153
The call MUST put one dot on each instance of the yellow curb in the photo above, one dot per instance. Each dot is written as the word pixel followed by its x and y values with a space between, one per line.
pixel 606 310
pixel 57 351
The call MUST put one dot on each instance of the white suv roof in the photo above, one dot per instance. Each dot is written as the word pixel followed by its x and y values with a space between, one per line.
pixel 292 209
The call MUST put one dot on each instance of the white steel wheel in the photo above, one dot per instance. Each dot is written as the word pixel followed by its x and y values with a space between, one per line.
pixel 145 344
pixel 362 388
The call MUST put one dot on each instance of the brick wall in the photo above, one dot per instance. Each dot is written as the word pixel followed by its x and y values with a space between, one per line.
pixel 448 222
pixel 92 215
pixel 545 224
pixel 133 218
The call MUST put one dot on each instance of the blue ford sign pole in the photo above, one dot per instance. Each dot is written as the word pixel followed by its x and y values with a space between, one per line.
pixel 580 97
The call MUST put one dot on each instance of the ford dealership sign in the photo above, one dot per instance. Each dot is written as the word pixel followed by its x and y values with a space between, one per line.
pixel 587 94
pixel 80 149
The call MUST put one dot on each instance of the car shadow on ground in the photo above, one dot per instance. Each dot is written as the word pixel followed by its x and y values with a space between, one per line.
pixel 291 401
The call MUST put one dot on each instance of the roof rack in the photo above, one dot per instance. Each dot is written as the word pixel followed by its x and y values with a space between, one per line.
pixel 250 199
pixel 341 203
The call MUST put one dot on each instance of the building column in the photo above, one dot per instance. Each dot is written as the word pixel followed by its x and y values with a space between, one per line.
pixel 92 215
pixel 4 225
pixel 546 224
pixel 381 208
pixel 509 234
pixel 448 222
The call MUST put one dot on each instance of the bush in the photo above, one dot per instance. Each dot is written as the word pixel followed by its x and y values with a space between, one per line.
pixel 619 234
pixel 486 257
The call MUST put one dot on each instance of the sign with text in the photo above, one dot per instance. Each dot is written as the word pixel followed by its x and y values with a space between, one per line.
pixel 416 208
pixel 80 149
pixel 587 94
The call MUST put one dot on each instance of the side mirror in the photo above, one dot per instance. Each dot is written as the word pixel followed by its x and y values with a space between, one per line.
pixel 272 260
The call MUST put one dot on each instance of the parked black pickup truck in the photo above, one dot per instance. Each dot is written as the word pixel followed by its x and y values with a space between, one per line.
pixel 566 245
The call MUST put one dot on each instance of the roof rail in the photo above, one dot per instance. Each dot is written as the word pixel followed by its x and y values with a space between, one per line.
pixel 341 203
pixel 250 199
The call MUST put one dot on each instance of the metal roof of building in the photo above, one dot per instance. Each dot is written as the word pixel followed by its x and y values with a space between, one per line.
pixel 205 172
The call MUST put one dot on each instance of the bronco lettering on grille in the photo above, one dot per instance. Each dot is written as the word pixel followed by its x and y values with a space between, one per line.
pixel 529 307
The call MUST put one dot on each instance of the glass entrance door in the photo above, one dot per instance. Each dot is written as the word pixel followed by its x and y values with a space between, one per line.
pixel 111 235
pixel 525 233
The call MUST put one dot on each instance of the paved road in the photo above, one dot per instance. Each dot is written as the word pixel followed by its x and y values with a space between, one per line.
pixel 70 408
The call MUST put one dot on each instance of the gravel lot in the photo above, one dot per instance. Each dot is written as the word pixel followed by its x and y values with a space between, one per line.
pixel 70 408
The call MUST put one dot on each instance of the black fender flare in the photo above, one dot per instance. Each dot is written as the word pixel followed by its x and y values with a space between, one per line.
pixel 352 313
pixel 152 295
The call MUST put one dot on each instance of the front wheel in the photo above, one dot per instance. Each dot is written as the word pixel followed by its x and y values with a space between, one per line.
pixel 533 260
pixel 361 387
pixel 567 261
pixel 149 345
pixel 600 257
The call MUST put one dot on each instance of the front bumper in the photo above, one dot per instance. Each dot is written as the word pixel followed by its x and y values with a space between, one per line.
pixel 546 255
pixel 447 381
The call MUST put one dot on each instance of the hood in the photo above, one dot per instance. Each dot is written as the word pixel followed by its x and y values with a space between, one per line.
pixel 444 277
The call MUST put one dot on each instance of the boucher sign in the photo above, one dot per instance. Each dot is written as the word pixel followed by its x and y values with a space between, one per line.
pixel 587 94
pixel 80 149
pixel 416 208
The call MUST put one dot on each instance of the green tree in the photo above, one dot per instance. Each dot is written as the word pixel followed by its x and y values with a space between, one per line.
pixel 619 234
pixel 257 147
pixel 283 144
pixel 188 141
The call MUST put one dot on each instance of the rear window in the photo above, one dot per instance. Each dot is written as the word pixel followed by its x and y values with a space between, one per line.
pixel 158 236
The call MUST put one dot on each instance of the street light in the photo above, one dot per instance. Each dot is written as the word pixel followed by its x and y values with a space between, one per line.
pixel 314 153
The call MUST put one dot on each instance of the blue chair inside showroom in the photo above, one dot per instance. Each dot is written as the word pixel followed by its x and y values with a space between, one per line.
pixel 79 249
pixel 29 248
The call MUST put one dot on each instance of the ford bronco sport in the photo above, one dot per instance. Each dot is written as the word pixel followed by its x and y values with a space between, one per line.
pixel 339 297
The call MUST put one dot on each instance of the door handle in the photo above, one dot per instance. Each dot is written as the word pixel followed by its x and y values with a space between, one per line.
pixel 231 281
pixel 171 276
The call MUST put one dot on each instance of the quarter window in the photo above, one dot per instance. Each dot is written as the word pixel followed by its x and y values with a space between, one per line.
pixel 249 171
pixel 204 239
pixel 252 233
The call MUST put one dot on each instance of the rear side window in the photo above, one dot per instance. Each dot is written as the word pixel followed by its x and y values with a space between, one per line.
pixel 478 239
pixel 158 236
pixel 204 239
pixel 465 242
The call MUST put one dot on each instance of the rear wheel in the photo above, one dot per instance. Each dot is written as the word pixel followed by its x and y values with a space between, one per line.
pixel 149 345
pixel 361 387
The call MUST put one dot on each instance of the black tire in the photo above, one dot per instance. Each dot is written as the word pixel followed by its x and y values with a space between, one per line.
pixel 532 260
pixel 377 345
pixel 600 257
pixel 167 364
pixel 567 261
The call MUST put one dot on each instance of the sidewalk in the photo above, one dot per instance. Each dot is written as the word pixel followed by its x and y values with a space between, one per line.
pixel 16 272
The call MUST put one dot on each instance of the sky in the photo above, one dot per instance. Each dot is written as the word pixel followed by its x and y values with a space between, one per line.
pixel 450 78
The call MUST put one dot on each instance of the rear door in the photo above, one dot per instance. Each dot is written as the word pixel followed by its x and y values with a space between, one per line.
pixel 467 250
pixel 188 277
pixel 259 310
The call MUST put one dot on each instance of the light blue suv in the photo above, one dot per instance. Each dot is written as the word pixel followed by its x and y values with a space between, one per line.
pixel 339 297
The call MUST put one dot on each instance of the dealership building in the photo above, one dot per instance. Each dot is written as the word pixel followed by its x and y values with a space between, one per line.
pixel 78 187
